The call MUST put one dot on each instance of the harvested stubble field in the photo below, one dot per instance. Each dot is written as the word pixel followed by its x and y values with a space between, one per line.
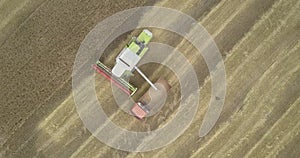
pixel 259 42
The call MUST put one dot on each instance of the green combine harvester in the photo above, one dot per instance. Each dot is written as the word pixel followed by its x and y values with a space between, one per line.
pixel 126 63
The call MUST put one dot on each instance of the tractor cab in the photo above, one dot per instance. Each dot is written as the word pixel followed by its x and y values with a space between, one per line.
pixel 140 110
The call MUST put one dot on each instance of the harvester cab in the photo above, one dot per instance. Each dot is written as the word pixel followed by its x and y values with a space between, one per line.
pixel 132 54
pixel 126 62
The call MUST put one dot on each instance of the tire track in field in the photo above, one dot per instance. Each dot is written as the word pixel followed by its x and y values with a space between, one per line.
pixel 6 19
pixel 61 86
pixel 256 29
pixel 232 69
pixel 72 122
pixel 4 38
pixel 241 6
pixel 255 52
pixel 260 120
pixel 217 135
pixel 47 123
pixel 236 24
pixel 288 35
pixel 39 105
pixel 63 126
pixel 215 146
pixel 60 128
pixel 276 132
pixel 51 81
pixel 236 120
pixel 285 140
pixel 289 145
pixel 269 19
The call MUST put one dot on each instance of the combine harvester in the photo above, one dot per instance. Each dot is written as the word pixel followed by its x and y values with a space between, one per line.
pixel 125 65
